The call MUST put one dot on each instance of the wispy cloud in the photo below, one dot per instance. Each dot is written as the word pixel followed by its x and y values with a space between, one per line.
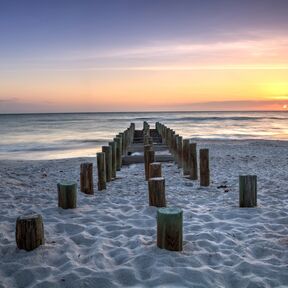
pixel 9 100
pixel 259 53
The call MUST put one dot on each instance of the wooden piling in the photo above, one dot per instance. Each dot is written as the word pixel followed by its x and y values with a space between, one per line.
pixel 29 232
pixel 170 229
pixel 101 168
pixel 248 191
pixel 179 151
pixel 204 167
pixel 185 157
pixel 146 161
pixel 155 170
pixel 86 178
pixel 118 152
pixel 114 158
pixel 108 162
pixel 67 195
pixel 156 188
pixel 193 161
pixel 120 135
pixel 150 158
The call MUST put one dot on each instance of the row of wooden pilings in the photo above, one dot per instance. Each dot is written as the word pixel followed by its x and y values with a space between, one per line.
pixel 170 219
pixel 30 230
pixel 185 154
pixel 109 161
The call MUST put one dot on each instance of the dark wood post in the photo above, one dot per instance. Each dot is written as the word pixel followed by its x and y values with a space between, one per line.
pixel 101 168
pixel 114 158
pixel 193 161
pixel 118 153
pixel 67 195
pixel 170 229
pixel 185 158
pixel 248 191
pixel 29 232
pixel 150 157
pixel 86 178
pixel 179 150
pixel 108 162
pixel 204 167
pixel 120 135
pixel 146 160
pixel 156 188
pixel 155 170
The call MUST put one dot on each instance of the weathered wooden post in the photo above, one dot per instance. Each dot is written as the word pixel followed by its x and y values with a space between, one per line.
pixel 156 187
pixel 185 158
pixel 29 232
pixel 146 140
pixel 155 170
pixel 248 191
pixel 146 161
pixel 193 161
pixel 174 147
pixel 170 228
pixel 118 153
pixel 86 178
pixel 204 167
pixel 114 158
pixel 120 135
pixel 101 168
pixel 108 162
pixel 150 157
pixel 67 195
pixel 180 151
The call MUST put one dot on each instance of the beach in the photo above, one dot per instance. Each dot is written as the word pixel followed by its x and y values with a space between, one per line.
pixel 109 240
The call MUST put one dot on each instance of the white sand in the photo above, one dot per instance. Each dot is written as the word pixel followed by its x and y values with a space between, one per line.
pixel 109 240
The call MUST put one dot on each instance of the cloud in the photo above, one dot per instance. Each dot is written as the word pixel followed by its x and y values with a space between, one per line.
pixel 269 52
pixel 9 100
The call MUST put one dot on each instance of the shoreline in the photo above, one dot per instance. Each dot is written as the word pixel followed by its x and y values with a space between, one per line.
pixel 199 141
pixel 109 240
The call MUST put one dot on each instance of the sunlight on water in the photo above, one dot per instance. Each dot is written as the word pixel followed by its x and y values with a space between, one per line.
pixel 51 136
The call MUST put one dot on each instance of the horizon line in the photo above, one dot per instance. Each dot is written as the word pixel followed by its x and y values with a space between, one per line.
pixel 170 111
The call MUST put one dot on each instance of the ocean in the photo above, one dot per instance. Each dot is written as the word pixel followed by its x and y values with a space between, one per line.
pixel 66 135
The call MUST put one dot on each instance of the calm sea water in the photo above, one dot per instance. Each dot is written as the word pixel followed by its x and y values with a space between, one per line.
pixel 51 136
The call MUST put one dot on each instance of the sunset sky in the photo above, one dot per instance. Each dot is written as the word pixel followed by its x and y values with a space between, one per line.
pixel 143 55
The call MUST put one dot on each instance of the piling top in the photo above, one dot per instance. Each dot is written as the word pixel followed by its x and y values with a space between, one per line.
pixel 29 216
pixel 67 183
pixel 170 210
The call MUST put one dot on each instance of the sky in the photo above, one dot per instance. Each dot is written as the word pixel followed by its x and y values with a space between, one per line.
pixel 143 55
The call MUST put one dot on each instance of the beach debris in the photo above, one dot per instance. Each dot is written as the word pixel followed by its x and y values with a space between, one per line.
pixel 221 186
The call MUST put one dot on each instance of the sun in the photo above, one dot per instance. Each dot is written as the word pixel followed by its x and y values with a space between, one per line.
pixel 285 106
